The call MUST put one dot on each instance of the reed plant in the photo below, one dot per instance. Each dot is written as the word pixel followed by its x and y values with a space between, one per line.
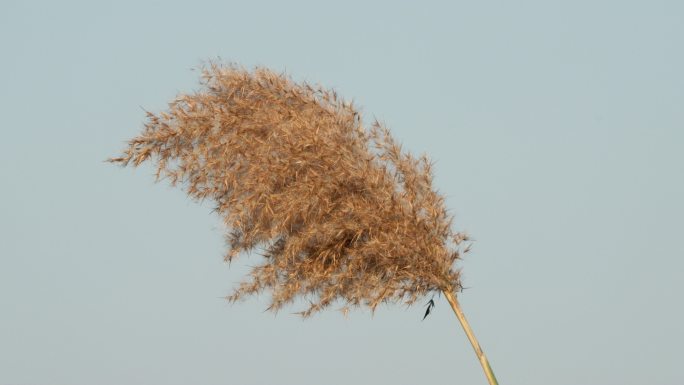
pixel 339 212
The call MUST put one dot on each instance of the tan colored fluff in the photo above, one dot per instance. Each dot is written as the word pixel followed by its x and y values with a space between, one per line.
pixel 338 211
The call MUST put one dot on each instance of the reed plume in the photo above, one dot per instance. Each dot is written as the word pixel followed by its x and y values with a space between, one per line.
pixel 338 211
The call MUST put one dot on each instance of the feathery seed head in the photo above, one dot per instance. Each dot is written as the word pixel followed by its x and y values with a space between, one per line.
pixel 339 211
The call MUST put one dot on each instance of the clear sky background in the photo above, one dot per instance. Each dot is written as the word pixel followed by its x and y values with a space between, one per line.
pixel 557 131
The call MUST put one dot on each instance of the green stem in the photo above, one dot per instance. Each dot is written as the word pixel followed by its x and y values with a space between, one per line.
pixel 471 337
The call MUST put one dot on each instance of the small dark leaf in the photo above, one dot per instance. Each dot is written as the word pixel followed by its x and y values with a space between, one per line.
pixel 430 305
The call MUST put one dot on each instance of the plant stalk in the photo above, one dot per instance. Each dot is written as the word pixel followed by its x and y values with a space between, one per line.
pixel 473 341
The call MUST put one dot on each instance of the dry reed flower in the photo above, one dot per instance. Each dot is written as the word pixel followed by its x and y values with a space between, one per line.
pixel 339 211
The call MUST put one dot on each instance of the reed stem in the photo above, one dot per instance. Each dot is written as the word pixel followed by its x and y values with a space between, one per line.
pixel 473 341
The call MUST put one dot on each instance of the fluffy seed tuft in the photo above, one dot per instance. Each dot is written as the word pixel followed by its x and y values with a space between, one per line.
pixel 338 211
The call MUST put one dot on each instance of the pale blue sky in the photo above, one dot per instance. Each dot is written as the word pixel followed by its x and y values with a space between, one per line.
pixel 557 131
